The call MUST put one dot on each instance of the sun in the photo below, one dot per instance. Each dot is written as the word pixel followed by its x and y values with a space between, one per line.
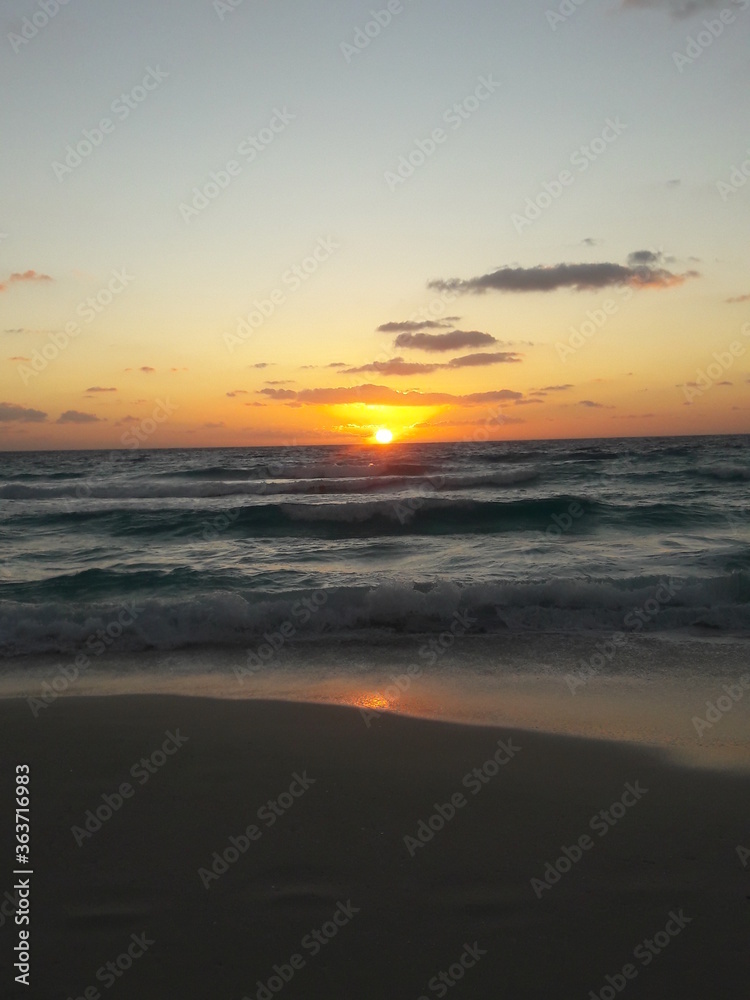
pixel 384 436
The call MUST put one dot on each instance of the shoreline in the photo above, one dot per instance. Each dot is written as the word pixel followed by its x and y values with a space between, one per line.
pixel 659 693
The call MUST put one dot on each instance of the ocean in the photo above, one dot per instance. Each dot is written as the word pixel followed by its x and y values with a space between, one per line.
pixel 302 562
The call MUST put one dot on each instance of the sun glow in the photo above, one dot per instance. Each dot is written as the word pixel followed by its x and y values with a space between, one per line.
pixel 383 436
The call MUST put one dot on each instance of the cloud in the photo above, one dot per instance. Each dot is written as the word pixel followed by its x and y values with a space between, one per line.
pixel 556 388
pixel 475 360
pixel 279 393
pixel 279 381
pixel 13 413
pixel 98 388
pixel 453 341
pixel 499 422
pixel 724 383
pixel 590 241
pixel 146 369
pixel 594 406
pixel 19 358
pixel 738 298
pixel 381 395
pixel 76 417
pixel 580 277
pixel 261 364
pixel 398 366
pixel 409 326
pixel 237 392
pixel 677 8
pixel 127 420
pixel 527 402
pixel 212 427
pixel 633 416
pixel 395 366
pixel 647 258
pixel 21 277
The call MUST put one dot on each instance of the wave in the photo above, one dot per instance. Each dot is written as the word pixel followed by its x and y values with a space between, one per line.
pixel 253 619
pixel 425 514
pixel 725 473
pixel 150 489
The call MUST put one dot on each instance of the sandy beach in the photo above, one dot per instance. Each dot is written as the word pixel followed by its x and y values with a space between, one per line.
pixel 193 848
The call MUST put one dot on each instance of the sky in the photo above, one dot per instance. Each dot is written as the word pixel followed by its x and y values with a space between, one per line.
pixel 254 223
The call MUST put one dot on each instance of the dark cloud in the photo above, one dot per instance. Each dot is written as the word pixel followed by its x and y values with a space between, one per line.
pixel 384 396
pixel 394 366
pixel 647 258
pixel 76 417
pixel 98 388
pixel 590 241
pixel 453 341
pixel 556 388
pixel 399 366
pixel 237 392
pixel 261 364
pixel 12 413
pixel 409 326
pixel 580 277
pixel 279 393
pixel 279 381
pixel 475 360
pixel 594 406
